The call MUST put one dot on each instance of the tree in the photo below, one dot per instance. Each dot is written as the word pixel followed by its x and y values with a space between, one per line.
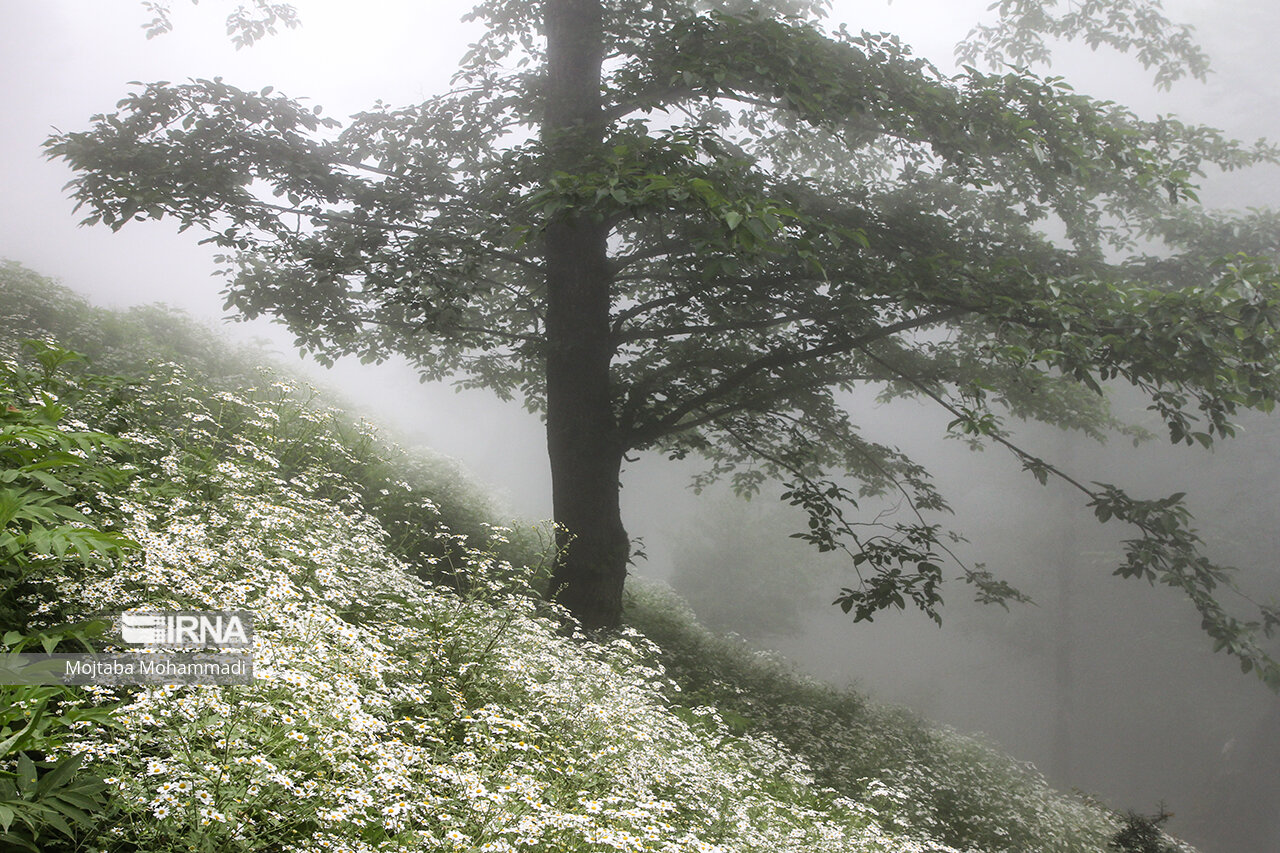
pixel 687 228
pixel 245 25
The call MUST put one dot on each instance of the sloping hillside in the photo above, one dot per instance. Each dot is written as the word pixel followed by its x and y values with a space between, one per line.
pixel 413 692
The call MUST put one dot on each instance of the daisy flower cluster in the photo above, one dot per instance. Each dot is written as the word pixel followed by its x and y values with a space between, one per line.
pixel 916 779
pixel 413 693
pixel 388 713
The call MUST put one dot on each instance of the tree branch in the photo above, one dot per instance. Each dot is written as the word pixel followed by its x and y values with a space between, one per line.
pixel 779 359
pixel 744 325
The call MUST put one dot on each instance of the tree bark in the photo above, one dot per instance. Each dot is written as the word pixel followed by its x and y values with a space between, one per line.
pixel 582 435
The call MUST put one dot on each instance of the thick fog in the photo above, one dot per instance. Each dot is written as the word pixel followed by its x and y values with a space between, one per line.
pixel 1106 685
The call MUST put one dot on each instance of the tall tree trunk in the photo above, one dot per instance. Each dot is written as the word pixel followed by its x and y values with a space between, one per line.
pixel 582 436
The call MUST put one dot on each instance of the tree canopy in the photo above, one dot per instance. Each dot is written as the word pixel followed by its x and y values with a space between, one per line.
pixel 687 228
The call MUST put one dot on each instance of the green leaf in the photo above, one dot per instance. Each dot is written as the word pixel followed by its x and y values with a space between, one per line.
pixel 53 818
pixel 18 739
pixel 22 843
pixel 60 774
pixel 26 777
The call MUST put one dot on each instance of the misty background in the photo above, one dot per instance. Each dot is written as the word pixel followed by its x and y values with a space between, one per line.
pixel 1106 685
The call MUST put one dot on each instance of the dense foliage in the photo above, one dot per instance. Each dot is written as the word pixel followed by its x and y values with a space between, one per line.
pixel 53 481
pixel 395 714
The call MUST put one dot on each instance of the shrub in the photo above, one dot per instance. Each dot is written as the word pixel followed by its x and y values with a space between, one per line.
pixel 923 782
pixel 52 478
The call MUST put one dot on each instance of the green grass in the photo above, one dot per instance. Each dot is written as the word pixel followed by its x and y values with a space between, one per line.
pixel 414 692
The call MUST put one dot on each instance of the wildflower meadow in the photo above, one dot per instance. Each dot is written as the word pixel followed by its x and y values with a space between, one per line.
pixel 413 691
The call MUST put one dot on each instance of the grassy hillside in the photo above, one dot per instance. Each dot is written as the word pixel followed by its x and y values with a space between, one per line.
pixel 413 691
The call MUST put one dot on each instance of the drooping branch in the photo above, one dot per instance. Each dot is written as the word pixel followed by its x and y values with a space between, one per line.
pixel 777 360
pixel 1168 550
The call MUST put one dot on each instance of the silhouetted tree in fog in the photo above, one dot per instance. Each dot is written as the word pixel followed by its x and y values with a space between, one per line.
pixel 682 228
